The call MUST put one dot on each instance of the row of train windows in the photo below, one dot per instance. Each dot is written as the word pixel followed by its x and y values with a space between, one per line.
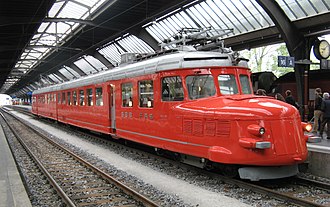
pixel 199 86
pixel 75 98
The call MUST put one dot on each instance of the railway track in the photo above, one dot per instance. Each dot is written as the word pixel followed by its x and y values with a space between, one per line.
pixel 77 182
pixel 289 193
pixel 284 193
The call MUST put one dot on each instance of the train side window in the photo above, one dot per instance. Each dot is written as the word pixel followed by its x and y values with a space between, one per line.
pixel 200 86
pixel 89 97
pixel 172 89
pixel 146 90
pixel 99 96
pixel 245 84
pixel 127 94
pixel 59 98
pixel 227 84
pixel 63 98
pixel 69 98
pixel 81 97
pixel 74 97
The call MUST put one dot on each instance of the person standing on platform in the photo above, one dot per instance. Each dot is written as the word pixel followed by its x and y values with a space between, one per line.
pixel 289 99
pixel 318 114
pixel 261 92
pixel 279 96
pixel 325 107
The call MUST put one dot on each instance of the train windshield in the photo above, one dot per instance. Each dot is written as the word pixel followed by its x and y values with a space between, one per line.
pixel 200 86
pixel 245 84
pixel 228 85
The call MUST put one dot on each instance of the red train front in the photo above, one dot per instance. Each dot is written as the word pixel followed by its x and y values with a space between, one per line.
pixel 198 105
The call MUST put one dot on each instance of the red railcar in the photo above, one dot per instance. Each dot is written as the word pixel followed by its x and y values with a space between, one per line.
pixel 199 105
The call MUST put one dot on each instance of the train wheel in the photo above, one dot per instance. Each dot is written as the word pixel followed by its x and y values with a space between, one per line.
pixel 177 157
pixel 208 166
pixel 159 152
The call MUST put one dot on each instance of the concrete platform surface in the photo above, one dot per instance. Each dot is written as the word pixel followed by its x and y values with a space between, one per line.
pixel 319 158
pixel 12 190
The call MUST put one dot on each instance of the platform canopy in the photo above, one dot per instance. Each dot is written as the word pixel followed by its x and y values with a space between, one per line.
pixel 49 42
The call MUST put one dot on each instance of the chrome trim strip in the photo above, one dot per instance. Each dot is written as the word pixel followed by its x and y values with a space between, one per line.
pixel 161 138
pixel 75 120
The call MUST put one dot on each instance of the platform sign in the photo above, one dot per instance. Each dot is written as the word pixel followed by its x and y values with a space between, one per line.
pixel 325 64
pixel 285 61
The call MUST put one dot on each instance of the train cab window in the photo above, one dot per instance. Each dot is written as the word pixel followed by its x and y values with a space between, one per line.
pixel 146 93
pixel 89 97
pixel 63 98
pixel 74 98
pixel 81 97
pixel 172 89
pixel 228 85
pixel 245 84
pixel 69 98
pixel 127 94
pixel 200 86
pixel 99 96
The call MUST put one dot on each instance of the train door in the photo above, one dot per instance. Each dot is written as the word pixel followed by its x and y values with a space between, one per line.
pixel 172 94
pixel 57 101
pixel 112 102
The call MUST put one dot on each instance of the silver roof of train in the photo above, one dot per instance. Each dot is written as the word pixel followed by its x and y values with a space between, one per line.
pixel 177 60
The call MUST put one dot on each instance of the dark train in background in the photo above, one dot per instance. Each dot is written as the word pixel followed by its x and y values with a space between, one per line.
pixel 198 105
pixel 272 84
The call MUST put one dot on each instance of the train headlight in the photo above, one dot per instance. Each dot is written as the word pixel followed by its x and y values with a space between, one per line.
pixel 307 127
pixel 262 131
pixel 256 130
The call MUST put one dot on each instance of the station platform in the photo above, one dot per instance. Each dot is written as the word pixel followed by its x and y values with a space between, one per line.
pixel 25 107
pixel 12 190
pixel 319 158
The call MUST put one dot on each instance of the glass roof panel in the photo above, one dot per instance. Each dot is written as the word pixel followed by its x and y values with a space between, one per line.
pixel 95 63
pixel 156 36
pixel 322 6
pixel 112 53
pixel 130 43
pixel 55 78
pixel 66 73
pixel 72 72
pixel 55 8
pixel 73 10
pixel 43 26
pixel 89 3
pixel 240 15
pixel 55 33
pixel 85 66
pixel 299 9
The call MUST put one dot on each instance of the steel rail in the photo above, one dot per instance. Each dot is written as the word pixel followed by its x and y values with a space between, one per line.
pixel 309 182
pixel 264 190
pixel 126 189
pixel 59 190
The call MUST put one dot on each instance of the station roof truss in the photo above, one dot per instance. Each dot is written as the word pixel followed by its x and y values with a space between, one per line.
pixel 51 42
